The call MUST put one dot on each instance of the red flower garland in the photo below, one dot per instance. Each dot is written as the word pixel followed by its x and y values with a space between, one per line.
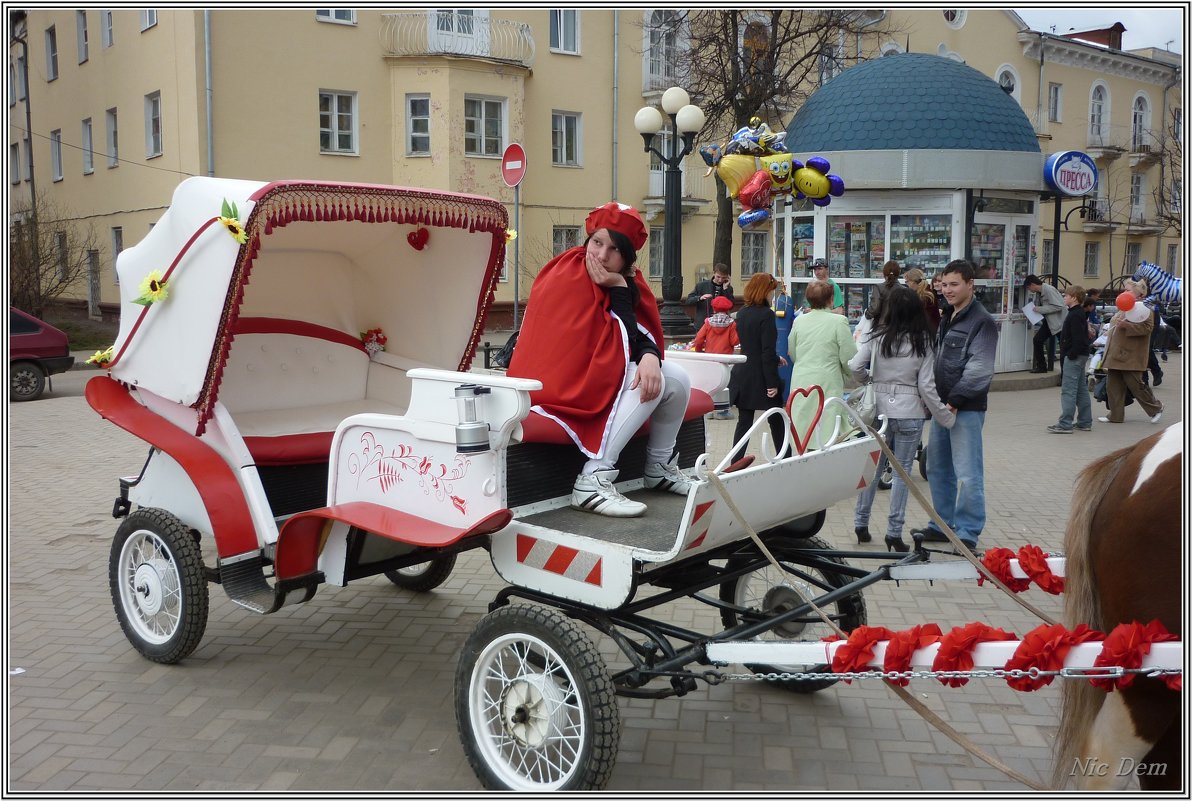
pixel 1125 647
pixel 903 645
pixel 1046 647
pixel 857 651
pixel 956 649
pixel 998 562
pixel 1033 562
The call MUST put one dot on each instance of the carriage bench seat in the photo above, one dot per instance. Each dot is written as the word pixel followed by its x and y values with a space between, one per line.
pixel 300 436
pixel 537 428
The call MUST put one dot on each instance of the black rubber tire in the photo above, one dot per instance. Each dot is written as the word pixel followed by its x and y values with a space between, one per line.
pixel 140 579
pixel 550 656
pixel 26 381
pixel 430 574
pixel 886 479
pixel 851 609
pixel 923 462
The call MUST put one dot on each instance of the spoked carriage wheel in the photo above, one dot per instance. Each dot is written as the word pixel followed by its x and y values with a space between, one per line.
pixel 155 573
pixel 424 576
pixel 535 704
pixel 770 591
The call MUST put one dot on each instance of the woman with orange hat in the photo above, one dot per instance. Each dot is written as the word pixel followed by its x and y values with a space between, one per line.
pixel 592 335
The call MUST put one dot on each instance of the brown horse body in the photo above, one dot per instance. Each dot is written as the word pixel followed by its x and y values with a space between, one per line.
pixel 1124 563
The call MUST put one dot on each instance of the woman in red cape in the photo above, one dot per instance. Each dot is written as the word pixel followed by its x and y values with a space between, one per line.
pixel 593 337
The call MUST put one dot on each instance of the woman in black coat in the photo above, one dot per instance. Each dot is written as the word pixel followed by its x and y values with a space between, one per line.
pixel 755 385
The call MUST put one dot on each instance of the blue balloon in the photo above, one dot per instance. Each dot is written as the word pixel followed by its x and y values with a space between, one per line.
pixel 822 201
pixel 835 185
pixel 819 164
pixel 754 218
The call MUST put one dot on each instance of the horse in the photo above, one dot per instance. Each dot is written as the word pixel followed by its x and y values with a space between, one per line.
pixel 1123 563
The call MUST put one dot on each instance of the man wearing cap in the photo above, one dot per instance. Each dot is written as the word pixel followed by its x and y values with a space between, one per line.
pixel 820 269
pixel 1050 304
pixel 593 337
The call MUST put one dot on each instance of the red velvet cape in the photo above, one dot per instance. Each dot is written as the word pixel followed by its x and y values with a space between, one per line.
pixel 574 345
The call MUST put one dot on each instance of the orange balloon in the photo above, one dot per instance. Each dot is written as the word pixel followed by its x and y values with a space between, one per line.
pixel 1125 301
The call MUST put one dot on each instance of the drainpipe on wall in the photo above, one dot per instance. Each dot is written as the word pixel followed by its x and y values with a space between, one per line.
pixel 35 245
pixel 616 92
pixel 207 69
pixel 1163 161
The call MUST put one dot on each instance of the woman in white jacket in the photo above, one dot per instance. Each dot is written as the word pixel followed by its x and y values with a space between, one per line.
pixel 897 356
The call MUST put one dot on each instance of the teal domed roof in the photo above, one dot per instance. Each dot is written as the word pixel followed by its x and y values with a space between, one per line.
pixel 911 101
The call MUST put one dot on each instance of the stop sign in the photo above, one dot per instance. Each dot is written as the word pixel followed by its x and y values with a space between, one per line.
pixel 513 164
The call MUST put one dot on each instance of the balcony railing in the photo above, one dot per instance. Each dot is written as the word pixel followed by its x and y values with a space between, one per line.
pixel 450 33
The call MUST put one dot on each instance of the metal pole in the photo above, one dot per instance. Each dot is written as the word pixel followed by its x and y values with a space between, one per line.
pixel 516 248
pixel 207 76
pixel 675 322
pixel 1055 246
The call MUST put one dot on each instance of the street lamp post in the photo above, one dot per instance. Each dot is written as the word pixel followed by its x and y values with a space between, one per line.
pixel 687 120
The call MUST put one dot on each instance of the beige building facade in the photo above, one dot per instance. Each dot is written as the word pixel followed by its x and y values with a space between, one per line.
pixel 126 103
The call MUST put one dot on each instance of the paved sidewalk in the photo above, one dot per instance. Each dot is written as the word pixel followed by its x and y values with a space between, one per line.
pixel 354 690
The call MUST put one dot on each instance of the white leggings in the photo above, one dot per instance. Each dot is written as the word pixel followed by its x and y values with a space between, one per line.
pixel 665 414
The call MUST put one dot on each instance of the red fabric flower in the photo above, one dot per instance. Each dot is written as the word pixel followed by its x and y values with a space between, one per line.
pixel 1126 646
pixel 998 562
pixel 1033 562
pixel 903 645
pixel 857 652
pixel 956 649
pixel 1046 647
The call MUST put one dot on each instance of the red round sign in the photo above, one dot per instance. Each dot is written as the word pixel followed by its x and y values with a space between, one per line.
pixel 513 164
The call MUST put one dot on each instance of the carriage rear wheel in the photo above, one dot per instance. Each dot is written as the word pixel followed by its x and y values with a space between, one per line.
pixel 424 576
pixel 534 703
pixel 155 573
pixel 768 591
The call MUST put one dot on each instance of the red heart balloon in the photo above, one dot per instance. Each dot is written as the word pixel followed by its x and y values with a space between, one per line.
pixel 756 192
pixel 418 239
pixel 801 443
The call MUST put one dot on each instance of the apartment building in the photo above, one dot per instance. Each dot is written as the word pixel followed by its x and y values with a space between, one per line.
pixel 125 103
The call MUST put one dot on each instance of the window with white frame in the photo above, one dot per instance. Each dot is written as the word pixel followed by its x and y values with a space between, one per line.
pixel 1007 79
pixel 344 16
pixel 1048 255
pixel 1092 259
pixel 106 28
pixel 753 252
pixel 461 21
pixel 1137 185
pixel 564 237
pixel 1173 252
pixel 117 247
pixel 148 18
pixel 51 54
pixel 831 61
pixel 663 45
pixel 56 155
pixel 14 163
pixel 417 125
pixel 20 77
pixel 661 144
pixel 112 124
pixel 1098 118
pixel 564 30
pixel 1177 196
pixel 61 253
pixel 657 248
pixel 152 125
pixel 1140 123
pixel 1055 102
pixel 484 124
pixel 503 276
pixel 88 145
pixel 1133 255
pixel 337 122
pixel 955 17
pixel 81 34
pixel 1177 124
pixel 565 138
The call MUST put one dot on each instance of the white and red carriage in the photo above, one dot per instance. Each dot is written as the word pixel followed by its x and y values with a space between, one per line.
pixel 287 452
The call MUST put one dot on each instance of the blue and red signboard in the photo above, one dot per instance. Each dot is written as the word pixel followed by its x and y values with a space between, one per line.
pixel 1071 173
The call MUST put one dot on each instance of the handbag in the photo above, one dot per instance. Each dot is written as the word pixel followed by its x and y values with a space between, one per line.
pixel 863 400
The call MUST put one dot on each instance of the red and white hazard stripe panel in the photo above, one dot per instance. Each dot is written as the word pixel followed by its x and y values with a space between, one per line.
pixel 561 560
pixel 701 511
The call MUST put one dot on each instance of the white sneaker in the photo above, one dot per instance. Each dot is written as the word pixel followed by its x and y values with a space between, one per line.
pixel 596 493
pixel 1103 420
pixel 669 478
pixel 1158 414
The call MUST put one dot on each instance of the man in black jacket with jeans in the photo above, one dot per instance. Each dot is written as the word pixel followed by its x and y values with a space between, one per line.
pixel 965 347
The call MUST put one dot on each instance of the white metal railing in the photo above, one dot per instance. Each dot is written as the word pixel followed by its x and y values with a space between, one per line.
pixel 693 181
pixel 1098 211
pixel 433 32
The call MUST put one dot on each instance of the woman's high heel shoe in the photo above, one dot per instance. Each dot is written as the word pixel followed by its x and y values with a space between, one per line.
pixel 862 533
pixel 896 544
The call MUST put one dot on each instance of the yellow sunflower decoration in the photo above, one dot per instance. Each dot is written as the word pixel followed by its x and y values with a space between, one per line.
pixel 153 289
pixel 230 218
pixel 102 358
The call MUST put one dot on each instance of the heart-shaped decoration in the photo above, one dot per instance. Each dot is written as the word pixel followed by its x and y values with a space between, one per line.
pixel 801 443
pixel 418 239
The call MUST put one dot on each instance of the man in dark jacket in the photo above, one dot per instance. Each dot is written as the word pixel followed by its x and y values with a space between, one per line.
pixel 1076 409
pixel 705 291
pixel 965 347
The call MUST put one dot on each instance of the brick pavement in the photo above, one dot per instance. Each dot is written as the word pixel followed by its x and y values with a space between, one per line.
pixel 353 691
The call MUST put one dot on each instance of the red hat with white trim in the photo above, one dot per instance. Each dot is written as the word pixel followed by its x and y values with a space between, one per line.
pixel 620 218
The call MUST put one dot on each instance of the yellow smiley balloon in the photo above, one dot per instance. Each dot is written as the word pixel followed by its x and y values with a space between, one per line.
pixel 811 182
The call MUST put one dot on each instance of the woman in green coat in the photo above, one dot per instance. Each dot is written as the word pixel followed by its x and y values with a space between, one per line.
pixel 820 346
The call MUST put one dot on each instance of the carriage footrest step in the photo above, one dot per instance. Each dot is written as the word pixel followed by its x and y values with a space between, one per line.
pixel 245 583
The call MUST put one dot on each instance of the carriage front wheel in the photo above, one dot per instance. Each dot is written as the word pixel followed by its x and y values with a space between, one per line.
pixel 155 573
pixel 534 703
pixel 767 592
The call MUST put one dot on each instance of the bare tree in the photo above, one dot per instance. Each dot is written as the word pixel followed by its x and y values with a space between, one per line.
pixel 51 253
pixel 1168 195
pixel 764 63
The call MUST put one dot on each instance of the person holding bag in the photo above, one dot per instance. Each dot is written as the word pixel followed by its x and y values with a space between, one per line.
pixel 897 358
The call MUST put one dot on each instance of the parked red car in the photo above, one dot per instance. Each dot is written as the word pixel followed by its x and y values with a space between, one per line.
pixel 36 351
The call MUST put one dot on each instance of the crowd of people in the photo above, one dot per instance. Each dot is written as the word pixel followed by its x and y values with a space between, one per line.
pixel 592 335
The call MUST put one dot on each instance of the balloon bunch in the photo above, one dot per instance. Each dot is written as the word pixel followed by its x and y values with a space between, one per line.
pixel 780 173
